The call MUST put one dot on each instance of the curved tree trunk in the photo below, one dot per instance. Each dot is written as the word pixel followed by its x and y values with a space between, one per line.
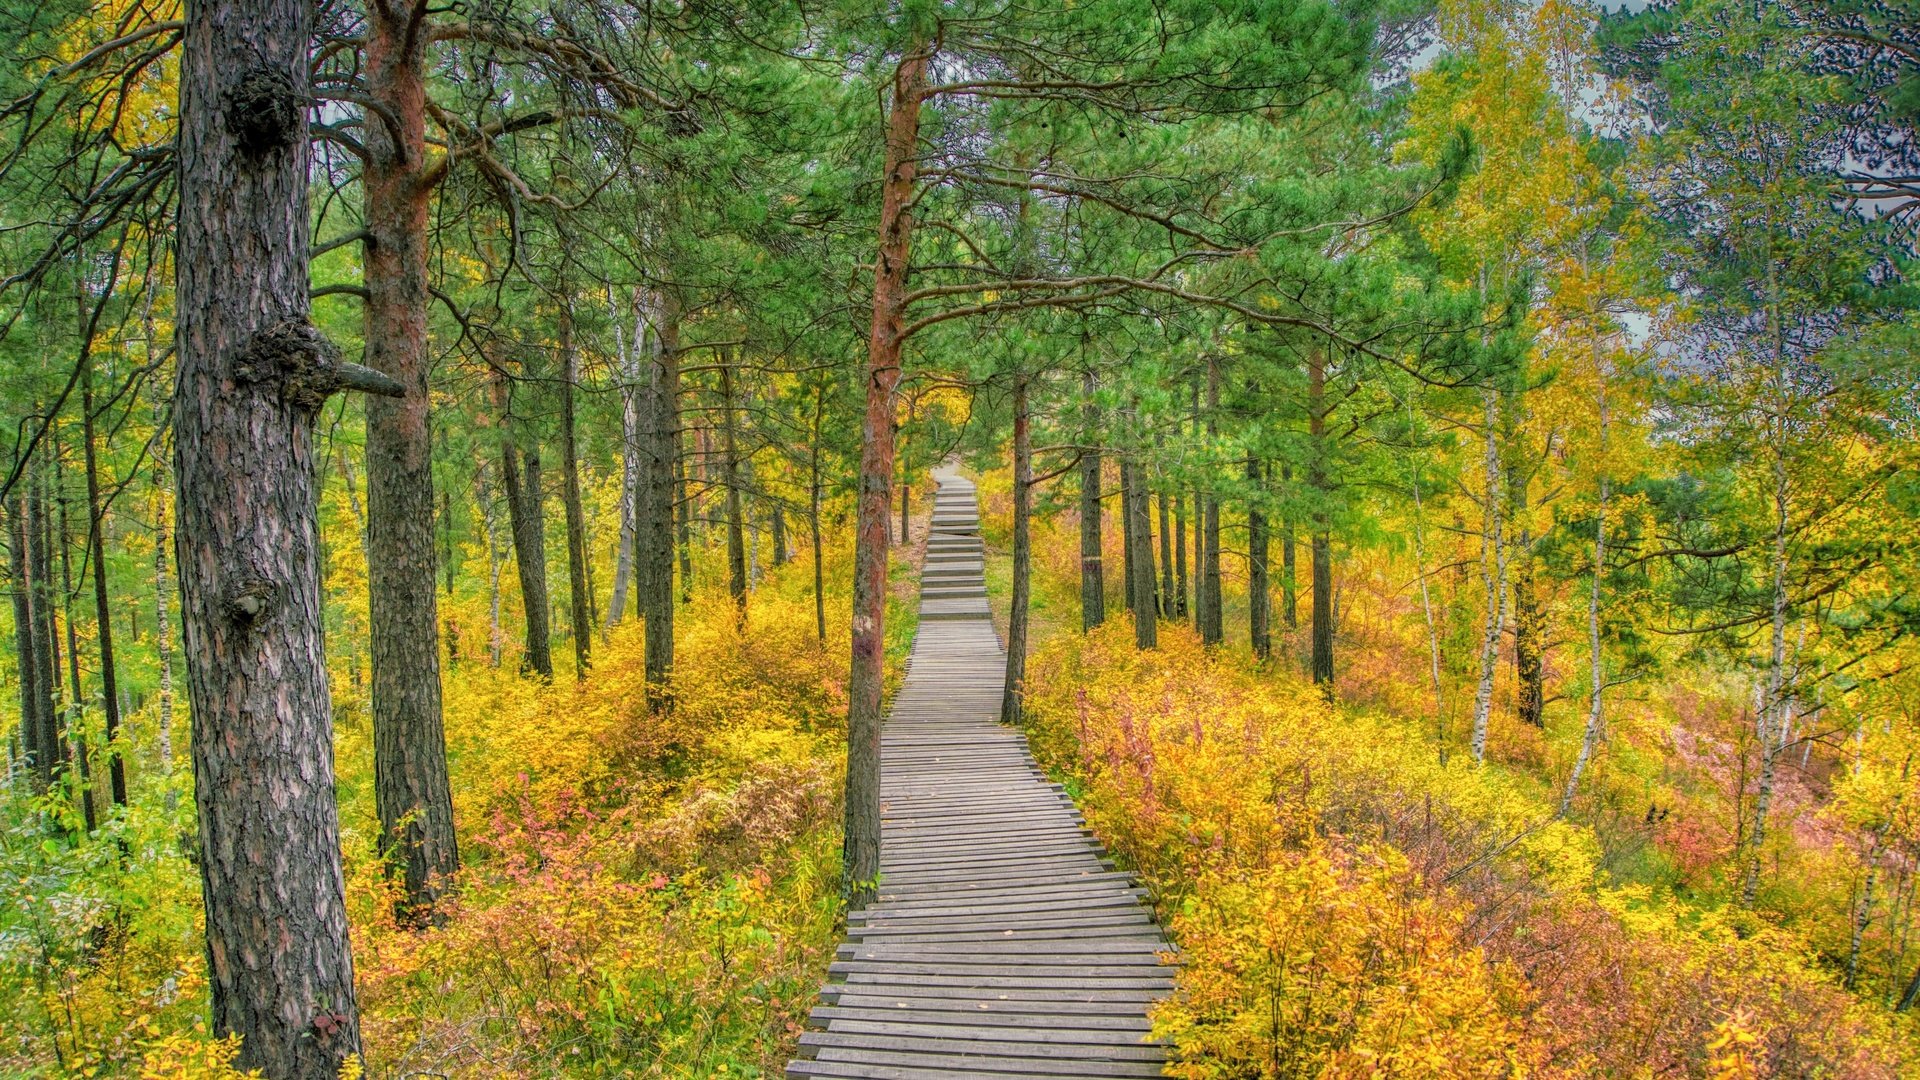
pixel 252 374
pixel 861 854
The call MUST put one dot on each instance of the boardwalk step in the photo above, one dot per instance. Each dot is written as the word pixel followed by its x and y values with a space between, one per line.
pixel 1001 942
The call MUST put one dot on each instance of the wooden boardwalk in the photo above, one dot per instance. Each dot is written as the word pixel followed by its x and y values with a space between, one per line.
pixel 1002 943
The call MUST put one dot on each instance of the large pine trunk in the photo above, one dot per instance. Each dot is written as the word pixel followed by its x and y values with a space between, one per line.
pixel 579 596
pixel 251 375
pixel 411 789
pixel 1014 686
pixel 861 854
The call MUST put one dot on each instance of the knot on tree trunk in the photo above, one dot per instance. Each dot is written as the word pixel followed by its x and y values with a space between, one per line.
pixel 305 366
pixel 251 601
pixel 262 111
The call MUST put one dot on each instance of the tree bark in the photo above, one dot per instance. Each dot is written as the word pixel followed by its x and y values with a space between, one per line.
pixel 861 856
pixel 579 596
pixel 1259 631
pixel 1093 586
pixel 1014 690
pixel 411 789
pixel 251 376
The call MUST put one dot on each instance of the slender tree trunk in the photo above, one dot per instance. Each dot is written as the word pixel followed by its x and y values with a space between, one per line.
pixel 1259 603
pixel 579 596
pixel 45 623
pixel 1289 577
pixel 489 519
pixel 103 611
pixel 1529 623
pixel 1146 627
pixel 1321 617
pixel 1179 530
pixel 1093 585
pixel 813 513
pixel 1775 717
pixel 861 857
pixel 1493 575
pixel 659 490
pixel 1212 622
pixel 736 524
pixel 252 373
pixel 529 533
pixel 76 698
pixel 1013 696
pixel 163 643
pixel 1165 597
pixel 630 459
pixel 1440 717
pixel 1596 658
pixel 779 535
pixel 682 516
pixel 34 760
pixel 1127 537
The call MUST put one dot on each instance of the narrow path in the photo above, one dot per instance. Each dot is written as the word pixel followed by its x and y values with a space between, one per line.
pixel 1002 943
